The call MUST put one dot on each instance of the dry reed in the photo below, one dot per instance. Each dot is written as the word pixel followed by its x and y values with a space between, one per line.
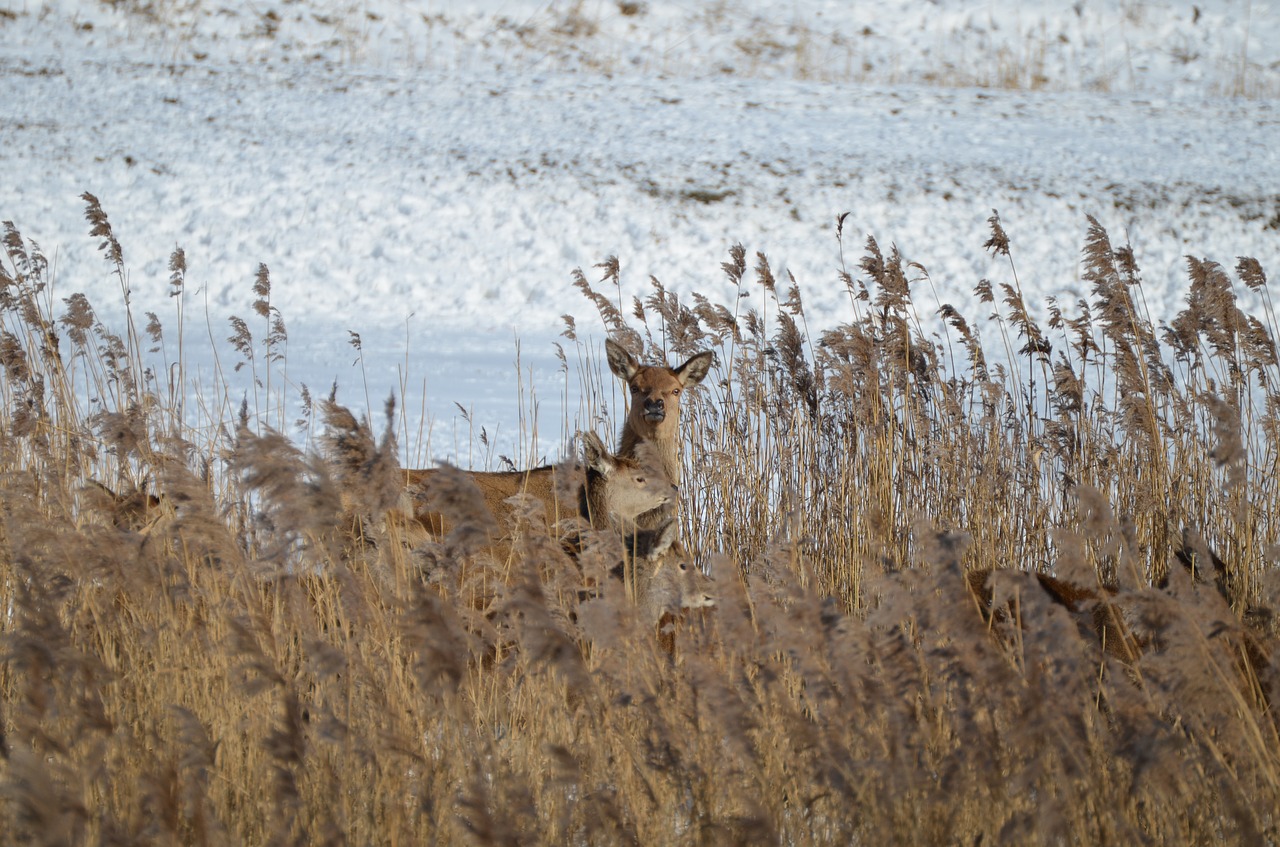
pixel 197 649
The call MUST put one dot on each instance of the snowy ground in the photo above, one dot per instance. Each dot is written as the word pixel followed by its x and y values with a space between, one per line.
pixel 428 175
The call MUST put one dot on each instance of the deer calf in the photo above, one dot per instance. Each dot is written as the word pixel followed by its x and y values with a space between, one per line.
pixel 663 579
pixel 659 571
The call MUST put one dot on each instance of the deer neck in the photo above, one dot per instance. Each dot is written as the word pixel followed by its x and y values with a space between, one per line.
pixel 665 443
pixel 592 503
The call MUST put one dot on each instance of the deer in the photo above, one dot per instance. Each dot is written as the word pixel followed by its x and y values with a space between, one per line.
pixel 1094 607
pixel 137 510
pixel 654 571
pixel 666 581
pixel 653 417
pixel 1116 617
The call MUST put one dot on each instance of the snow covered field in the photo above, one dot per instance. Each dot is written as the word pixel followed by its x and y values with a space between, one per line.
pixel 428 175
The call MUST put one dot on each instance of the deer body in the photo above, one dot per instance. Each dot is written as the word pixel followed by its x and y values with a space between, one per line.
pixel 1094 607
pixel 613 493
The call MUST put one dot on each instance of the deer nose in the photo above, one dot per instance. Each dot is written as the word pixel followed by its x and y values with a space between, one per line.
pixel 654 411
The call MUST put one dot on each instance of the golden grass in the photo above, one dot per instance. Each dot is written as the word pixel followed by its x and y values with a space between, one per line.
pixel 226 665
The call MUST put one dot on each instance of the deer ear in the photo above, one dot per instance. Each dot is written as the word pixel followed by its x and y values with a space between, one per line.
pixel 622 363
pixel 695 370
pixel 668 535
pixel 594 453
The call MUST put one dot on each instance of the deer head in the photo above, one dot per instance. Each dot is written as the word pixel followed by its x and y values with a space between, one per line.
pixel 618 490
pixel 654 415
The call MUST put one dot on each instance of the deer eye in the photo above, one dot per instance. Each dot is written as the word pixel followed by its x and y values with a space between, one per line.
pixel 640 480
pixel 675 392
pixel 684 566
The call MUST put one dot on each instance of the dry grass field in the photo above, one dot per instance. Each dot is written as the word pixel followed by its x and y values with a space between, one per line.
pixel 209 635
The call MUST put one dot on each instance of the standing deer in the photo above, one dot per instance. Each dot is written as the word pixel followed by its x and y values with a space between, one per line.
pixel 1094 607
pixel 1116 617
pixel 654 414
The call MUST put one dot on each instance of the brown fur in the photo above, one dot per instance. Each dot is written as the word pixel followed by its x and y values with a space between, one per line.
pixel 612 492
pixel 665 578
pixel 1103 610
pixel 137 510
pixel 617 490
pixel 1093 606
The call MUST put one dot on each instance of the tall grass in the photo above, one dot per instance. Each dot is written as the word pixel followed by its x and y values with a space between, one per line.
pixel 229 663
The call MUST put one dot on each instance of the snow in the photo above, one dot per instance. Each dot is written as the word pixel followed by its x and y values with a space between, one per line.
pixel 428 175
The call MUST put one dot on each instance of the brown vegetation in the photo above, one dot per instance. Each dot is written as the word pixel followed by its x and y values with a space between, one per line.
pixel 224 665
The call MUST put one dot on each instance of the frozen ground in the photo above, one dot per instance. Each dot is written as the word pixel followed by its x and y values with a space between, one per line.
pixel 429 175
